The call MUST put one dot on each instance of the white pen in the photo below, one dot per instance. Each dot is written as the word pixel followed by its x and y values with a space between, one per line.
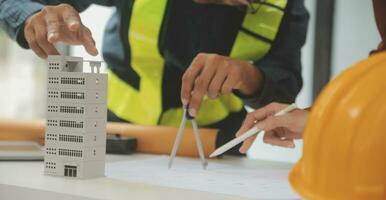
pixel 253 131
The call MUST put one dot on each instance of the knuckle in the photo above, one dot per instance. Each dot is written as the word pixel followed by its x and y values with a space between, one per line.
pixel 226 64
pixel 226 89
pixel 31 20
pixel 256 114
pixel 215 57
pixel 32 43
pixel 200 55
pixel 250 116
pixel 199 82
pixel 41 38
pixel 37 16
pixel 186 76
pixel 52 23
pixel 65 6
pixel 212 91
pixel 31 40
pixel 184 93
pixel 273 105
pixel 47 9
pixel 196 99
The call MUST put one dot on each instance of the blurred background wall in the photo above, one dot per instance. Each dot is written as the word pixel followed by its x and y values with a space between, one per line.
pixel 22 74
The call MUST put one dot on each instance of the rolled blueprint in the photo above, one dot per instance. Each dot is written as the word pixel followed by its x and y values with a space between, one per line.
pixel 151 139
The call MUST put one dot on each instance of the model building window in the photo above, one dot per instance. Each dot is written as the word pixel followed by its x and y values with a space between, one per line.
pixel 70 171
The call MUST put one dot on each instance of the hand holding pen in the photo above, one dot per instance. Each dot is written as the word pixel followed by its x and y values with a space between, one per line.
pixel 279 130
pixel 250 129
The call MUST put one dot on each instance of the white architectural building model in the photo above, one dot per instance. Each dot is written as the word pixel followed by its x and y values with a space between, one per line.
pixel 75 137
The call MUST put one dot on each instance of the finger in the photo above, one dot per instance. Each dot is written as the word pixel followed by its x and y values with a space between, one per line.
pixel 217 81
pixel 230 83
pixel 258 115
pixel 201 84
pixel 248 123
pixel 88 42
pixel 41 38
pixel 189 77
pixel 71 17
pixel 271 138
pixel 247 144
pixel 273 122
pixel 53 24
pixel 268 110
pixel 32 43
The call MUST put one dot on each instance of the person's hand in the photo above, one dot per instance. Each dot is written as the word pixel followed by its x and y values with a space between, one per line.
pixel 53 24
pixel 214 75
pixel 279 130
pixel 224 2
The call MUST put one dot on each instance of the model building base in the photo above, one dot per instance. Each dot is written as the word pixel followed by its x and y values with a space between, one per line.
pixel 75 138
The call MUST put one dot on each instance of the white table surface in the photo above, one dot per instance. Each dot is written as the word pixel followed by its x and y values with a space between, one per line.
pixel 25 180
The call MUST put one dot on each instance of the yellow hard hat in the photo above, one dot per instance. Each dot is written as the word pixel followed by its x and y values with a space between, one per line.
pixel 344 153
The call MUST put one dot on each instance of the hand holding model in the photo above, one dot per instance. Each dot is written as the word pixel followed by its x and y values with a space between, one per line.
pixel 279 130
pixel 53 24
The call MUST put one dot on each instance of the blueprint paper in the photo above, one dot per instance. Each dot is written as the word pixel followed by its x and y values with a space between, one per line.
pixel 218 178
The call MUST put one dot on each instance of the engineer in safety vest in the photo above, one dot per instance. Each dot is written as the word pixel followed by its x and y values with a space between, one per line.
pixel 283 130
pixel 215 55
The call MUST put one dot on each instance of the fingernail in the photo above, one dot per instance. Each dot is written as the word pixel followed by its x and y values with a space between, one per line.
pixel 184 101
pixel 50 35
pixel 72 24
pixel 237 134
pixel 192 112
pixel 96 51
pixel 282 138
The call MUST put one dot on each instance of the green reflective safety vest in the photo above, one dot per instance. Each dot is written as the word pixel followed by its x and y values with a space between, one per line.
pixel 144 106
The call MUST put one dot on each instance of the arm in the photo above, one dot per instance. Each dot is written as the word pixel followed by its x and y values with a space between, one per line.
pixel 13 14
pixel 276 77
pixel 281 67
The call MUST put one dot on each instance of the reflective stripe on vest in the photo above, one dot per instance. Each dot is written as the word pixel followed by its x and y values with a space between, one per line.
pixel 144 106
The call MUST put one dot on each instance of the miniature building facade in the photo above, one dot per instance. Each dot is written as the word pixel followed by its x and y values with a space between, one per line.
pixel 75 138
